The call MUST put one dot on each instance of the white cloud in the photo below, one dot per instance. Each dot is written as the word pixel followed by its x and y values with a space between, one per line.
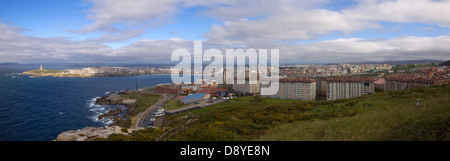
pixel 16 47
pixel 287 25
pixel 360 50
pixel 108 13
pixel 257 24
pixel 288 21
pixel 249 21
pixel 402 11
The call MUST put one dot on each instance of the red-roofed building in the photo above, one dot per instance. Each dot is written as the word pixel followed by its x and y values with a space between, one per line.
pixel 402 81
pixel 380 83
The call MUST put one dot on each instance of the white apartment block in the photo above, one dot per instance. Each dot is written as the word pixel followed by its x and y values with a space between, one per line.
pixel 348 87
pixel 297 89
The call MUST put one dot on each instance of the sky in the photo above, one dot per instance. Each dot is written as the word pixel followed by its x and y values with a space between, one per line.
pixel 148 31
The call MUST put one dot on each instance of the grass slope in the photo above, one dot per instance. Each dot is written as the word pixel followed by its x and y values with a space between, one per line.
pixel 396 121
pixel 45 71
pixel 381 116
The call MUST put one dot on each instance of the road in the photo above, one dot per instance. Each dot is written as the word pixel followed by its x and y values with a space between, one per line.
pixel 145 119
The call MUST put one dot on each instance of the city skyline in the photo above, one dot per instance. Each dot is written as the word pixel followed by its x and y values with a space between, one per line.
pixel 306 32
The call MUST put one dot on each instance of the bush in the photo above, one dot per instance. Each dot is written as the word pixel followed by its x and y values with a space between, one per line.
pixel 257 98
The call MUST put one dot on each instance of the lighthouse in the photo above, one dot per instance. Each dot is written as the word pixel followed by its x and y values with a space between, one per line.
pixel 41 68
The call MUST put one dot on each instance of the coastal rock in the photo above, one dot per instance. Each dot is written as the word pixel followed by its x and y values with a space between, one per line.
pixel 109 100
pixel 68 136
pixel 129 101
pixel 111 113
pixel 90 133
pixel 114 98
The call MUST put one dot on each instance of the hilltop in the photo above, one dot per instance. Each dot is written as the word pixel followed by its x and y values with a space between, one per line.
pixel 381 116
pixel 52 73
pixel 447 63
pixel 8 64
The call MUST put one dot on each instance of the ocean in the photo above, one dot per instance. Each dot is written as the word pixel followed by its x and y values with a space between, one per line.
pixel 38 109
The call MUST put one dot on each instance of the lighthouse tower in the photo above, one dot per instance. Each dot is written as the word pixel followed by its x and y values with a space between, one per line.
pixel 41 68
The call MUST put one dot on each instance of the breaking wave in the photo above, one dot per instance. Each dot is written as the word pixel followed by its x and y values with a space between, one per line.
pixel 98 110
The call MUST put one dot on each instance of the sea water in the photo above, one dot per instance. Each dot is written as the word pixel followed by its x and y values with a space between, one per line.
pixel 39 109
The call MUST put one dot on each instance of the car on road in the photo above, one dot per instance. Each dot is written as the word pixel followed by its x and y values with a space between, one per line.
pixel 153 119
pixel 159 114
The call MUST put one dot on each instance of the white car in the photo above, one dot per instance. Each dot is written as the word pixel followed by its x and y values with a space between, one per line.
pixel 152 119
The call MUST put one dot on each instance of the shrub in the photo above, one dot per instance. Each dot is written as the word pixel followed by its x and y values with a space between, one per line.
pixel 258 98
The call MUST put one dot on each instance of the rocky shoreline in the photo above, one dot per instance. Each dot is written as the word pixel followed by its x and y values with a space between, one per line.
pixel 116 99
pixel 121 118
pixel 91 133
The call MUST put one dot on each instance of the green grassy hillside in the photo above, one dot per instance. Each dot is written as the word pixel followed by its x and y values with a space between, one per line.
pixel 45 71
pixel 394 121
pixel 381 116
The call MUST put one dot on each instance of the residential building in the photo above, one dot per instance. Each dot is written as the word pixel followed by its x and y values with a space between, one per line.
pixel 403 81
pixel 349 87
pixel 297 89
pixel 249 87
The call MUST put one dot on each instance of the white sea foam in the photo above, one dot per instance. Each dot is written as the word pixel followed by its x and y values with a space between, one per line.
pixel 99 110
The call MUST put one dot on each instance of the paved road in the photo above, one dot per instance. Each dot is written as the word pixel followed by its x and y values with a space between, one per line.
pixel 145 119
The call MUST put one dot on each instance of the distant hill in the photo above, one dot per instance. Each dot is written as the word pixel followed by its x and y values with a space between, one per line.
pixel 401 62
pixel 8 64
pixel 447 63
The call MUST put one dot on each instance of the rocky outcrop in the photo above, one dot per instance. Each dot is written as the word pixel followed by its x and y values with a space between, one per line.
pixel 90 133
pixel 111 113
pixel 109 100
pixel 116 99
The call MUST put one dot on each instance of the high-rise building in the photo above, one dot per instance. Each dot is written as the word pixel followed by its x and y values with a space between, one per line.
pixel 297 89
pixel 348 87
pixel 249 87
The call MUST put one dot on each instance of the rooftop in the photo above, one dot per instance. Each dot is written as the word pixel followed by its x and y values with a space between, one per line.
pixel 418 78
pixel 199 95
pixel 351 79
pixel 300 79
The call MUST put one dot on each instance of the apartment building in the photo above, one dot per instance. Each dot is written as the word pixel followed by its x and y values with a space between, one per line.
pixel 249 87
pixel 297 89
pixel 403 81
pixel 348 87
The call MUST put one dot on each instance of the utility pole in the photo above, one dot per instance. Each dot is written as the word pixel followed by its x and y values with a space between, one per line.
pixel 136 84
